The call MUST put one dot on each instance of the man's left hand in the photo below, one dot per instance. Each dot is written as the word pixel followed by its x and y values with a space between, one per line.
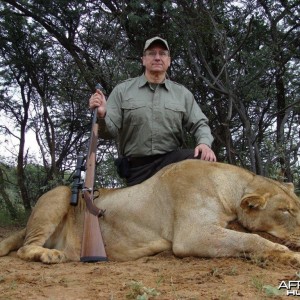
pixel 205 152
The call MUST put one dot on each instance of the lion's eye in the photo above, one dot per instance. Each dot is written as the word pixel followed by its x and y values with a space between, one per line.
pixel 287 211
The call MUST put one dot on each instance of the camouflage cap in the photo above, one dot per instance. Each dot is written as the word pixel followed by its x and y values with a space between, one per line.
pixel 155 39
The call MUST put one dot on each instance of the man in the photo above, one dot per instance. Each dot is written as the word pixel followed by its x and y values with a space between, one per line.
pixel 148 115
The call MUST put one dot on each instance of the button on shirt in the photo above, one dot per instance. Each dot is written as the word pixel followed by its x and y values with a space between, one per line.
pixel 149 120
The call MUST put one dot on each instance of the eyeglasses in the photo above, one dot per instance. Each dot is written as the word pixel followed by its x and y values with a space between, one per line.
pixel 159 53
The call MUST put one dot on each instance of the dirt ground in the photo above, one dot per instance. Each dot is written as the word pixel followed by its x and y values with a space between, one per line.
pixel 159 277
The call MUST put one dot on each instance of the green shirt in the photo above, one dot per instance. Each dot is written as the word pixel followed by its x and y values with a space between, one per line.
pixel 149 121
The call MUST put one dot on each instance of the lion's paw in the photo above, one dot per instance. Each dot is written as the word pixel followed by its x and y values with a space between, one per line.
pixel 295 259
pixel 38 253
pixel 53 257
pixel 285 257
pixel 279 247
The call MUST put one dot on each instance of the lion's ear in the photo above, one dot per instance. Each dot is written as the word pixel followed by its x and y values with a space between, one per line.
pixel 254 201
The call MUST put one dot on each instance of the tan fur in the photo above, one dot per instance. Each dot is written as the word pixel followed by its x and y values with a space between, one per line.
pixel 185 207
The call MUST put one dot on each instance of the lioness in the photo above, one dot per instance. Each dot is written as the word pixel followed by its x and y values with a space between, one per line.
pixel 185 208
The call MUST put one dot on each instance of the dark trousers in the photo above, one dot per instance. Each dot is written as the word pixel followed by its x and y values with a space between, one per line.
pixel 142 168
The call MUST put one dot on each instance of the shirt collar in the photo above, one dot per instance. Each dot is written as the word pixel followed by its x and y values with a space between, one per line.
pixel 143 82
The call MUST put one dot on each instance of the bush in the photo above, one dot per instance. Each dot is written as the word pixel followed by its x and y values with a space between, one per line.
pixel 7 221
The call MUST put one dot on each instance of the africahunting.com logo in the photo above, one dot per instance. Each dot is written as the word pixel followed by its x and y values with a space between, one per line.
pixel 291 287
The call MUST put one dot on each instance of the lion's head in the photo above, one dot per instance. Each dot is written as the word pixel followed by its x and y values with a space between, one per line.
pixel 273 210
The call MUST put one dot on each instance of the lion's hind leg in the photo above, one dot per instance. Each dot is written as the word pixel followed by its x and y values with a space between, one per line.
pixel 12 243
pixel 45 240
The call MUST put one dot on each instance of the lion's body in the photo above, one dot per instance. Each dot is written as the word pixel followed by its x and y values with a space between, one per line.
pixel 184 208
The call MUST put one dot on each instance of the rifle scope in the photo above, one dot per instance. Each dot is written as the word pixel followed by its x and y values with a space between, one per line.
pixel 77 183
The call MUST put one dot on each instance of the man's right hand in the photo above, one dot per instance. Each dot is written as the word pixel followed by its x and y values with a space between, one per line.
pixel 98 100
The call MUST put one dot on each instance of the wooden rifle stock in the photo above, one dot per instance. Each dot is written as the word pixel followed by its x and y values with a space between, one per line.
pixel 92 248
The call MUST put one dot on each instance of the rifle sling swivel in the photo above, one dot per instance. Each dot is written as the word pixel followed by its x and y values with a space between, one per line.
pixel 93 209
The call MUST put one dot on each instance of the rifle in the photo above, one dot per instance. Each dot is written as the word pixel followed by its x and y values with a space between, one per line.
pixel 92 248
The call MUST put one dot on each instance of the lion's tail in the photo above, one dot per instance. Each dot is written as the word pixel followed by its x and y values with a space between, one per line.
pixel 12 243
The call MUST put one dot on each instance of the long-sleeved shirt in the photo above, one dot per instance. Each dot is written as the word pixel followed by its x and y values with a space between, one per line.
pixel 151 120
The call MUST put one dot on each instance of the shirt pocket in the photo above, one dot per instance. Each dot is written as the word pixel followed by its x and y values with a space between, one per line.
pixel 174 113
pixel 134 112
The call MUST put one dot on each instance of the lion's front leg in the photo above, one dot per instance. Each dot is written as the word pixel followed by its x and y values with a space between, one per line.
pixel 38 253
pixel 215 241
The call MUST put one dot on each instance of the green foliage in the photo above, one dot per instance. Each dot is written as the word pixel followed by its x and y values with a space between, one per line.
pixel 107 174
pixel 35 178
pixel 11 205
pixel 140 292
pixel 239 59
pixel 272 291
pixel 19 221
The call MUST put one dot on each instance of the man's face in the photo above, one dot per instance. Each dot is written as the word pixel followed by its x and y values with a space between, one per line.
pixel 156 59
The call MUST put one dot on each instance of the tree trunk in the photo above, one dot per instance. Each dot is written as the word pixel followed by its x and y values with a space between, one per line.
pixel 8 204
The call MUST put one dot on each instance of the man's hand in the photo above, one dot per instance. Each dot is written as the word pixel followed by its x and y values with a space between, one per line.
pixel 98 100
pixel 206 153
